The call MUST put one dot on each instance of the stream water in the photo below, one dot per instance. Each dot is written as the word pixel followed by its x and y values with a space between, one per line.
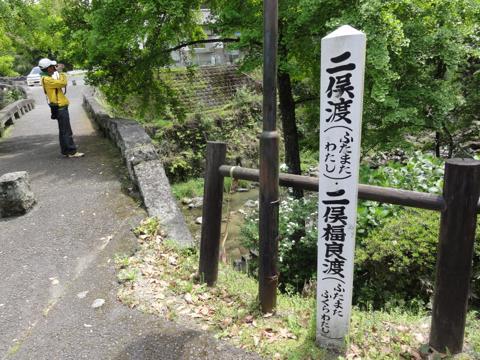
pixel 233 247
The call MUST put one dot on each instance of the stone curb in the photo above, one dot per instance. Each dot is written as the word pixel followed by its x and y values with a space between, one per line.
pixel 144 167
pixel 16 196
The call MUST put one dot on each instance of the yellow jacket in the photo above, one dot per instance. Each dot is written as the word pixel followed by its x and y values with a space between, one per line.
pixel 53 89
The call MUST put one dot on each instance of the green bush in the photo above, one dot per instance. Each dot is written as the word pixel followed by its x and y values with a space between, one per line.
pixel 396 263
pixel 183 149
pixel 397 260
pixel 188 189
pixel 395 247
pixel 297 259
pixel 183 144
pixel 422 172
pixel 194 187
pixel 9 97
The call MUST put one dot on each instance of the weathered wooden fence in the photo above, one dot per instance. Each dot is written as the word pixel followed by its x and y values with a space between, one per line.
pixel 459 206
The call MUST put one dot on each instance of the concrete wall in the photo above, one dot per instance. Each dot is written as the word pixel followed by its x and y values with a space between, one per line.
pixel 144 167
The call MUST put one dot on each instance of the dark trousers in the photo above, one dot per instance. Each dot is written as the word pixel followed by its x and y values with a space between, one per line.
pixel 67 145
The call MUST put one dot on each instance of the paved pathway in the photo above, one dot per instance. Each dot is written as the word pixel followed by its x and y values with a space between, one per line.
pixel 61 249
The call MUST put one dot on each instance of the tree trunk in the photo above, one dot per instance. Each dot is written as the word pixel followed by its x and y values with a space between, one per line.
pixel 450 141
pixel 440 75
pixel 290 132
pixel 437 144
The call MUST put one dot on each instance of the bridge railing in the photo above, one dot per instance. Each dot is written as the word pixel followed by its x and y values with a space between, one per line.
pixel 14 111
pixel 458 206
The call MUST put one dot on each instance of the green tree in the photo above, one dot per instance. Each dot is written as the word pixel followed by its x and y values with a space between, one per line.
pixel 418 53
pixel 124 43
pixel 29 30
pixel 7 50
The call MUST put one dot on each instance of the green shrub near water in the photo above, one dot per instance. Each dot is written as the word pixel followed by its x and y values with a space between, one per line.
pixel 396 263
pixel 194 187
pixel 9 97
pixel 183 143
pixel 395 247
pixel 188 189
pixel 297 261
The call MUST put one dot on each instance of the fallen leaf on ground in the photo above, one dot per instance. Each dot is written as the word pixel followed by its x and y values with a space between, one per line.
pixel 226 322
pixel 419 337
pixel 204 311
pixel 188 298
pixel 82 294
pixel 185 311
pixel 204 296
pixel 402 328
pixel 98 303
pixel 416 355
pixel 248 319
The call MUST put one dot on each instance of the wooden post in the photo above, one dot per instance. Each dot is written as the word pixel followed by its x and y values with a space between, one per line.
pixel 269 139
pixel 212 213
pixel 341 109
pixel 454 258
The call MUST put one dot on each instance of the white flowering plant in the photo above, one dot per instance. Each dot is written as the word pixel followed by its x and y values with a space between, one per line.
pixel 297 245
pixel 297 252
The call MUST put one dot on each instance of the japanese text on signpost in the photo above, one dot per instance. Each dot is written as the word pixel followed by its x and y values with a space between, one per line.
pixel 342 77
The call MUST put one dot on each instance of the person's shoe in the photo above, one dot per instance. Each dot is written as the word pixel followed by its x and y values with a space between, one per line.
pixel 76 155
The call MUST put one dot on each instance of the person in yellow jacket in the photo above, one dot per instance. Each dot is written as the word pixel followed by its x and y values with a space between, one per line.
pixel 53 83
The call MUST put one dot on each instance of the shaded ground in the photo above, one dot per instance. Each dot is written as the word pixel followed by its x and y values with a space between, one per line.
pixel 65 246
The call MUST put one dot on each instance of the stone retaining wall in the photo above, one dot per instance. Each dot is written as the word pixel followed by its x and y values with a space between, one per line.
pixel 144 167
pixel 207 87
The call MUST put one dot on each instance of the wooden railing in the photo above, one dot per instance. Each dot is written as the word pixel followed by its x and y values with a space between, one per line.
pixel 459 206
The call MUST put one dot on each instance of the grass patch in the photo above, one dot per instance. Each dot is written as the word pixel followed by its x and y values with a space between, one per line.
pixel 125 275
pixel 165 284
pixel 121 261
pixel 194 187
pixel 14 348
pixel 189 189
pixel 7 132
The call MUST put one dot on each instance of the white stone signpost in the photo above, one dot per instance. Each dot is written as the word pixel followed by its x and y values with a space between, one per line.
pixel 341 104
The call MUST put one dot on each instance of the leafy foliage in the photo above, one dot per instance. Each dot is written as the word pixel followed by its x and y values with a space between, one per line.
pixel 421 172
pixel 124 43
pixel 387 259
pixel 183 144
pixel 188 189
pixel 396 247
pixel 422 60
pixel 29 30
pixel 10 96
pixel 297 260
